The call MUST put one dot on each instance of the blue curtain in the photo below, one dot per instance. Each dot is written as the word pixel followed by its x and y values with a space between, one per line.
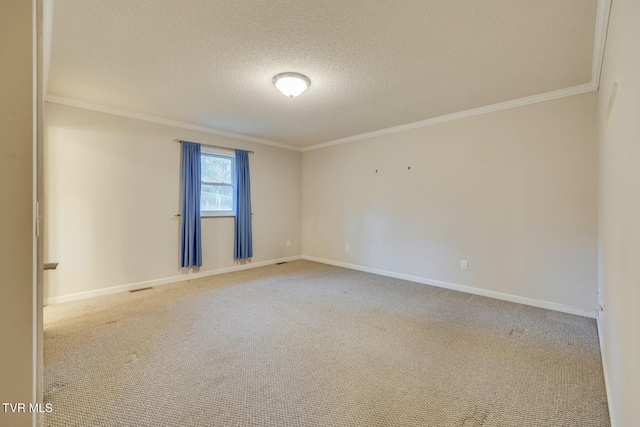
pixel 191 242
pixel 244 238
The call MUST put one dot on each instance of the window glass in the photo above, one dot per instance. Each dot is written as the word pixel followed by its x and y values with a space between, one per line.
pixel 218 187
pixel 217 169
pixel 216 198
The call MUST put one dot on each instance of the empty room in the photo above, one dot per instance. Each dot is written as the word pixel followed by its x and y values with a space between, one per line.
pixel 320 213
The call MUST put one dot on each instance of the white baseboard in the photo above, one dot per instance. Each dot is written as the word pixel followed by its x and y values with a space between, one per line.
pixel 164 281
pixel 468 289
pixel 612 418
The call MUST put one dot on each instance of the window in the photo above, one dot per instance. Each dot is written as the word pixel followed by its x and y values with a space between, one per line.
pixel 217 196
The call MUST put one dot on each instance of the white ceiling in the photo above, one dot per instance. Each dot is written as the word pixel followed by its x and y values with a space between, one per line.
pixel 372 64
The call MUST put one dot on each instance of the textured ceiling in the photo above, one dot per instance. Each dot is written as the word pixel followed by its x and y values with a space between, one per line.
pixel 372 64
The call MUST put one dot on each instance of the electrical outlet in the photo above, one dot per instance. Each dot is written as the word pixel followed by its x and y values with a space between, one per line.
pixel 346 248
pixel 463 264
pixel 288 243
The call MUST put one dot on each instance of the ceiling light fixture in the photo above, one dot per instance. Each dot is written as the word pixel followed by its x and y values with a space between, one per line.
pixel 291 84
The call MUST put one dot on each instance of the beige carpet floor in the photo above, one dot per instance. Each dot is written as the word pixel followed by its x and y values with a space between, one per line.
pixel 305 344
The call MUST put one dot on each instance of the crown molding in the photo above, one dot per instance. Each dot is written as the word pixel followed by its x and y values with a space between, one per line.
pixel 54 99
pixel 47 28
pixel 547 96
pixel 599 39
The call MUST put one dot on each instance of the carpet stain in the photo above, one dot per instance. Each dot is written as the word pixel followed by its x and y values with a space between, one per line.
pixel 517 332
pixel 56 386
pixel 475 419
pixel 133 359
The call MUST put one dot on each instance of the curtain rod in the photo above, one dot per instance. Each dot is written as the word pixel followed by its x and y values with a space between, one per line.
pixel 179 141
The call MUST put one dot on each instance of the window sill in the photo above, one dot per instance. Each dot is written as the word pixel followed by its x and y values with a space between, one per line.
pixel 226 215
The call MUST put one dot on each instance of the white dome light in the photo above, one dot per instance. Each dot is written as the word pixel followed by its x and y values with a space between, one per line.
pixel 291 84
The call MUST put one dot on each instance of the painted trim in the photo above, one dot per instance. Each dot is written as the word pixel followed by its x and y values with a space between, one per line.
pixel 417 279
pixel 163 281
pixel 521 102
pixel 462 288
pixel 54 99
pixel 47 28
pixel 599 40
pixel 34 209
pixel 600 323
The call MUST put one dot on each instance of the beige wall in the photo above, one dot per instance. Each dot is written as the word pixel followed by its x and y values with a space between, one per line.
pixel 513 192
pixel 619 212
pixel 112 190
pixel 16 215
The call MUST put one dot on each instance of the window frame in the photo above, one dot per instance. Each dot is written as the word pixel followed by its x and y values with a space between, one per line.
pixel 227 155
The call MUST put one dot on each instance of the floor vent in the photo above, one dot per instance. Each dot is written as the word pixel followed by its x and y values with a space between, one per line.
pixel 280 263
pixel 141 289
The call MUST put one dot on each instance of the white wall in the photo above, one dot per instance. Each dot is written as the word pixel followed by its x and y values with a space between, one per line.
pixel 619 212
pixel 513 192
pixel 17 324
pixel 112 190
